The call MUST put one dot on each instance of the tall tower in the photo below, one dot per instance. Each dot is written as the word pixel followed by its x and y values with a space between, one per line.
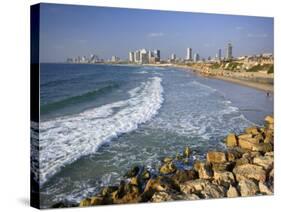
pixel 219 54
pixel 229 51
pixel 189 54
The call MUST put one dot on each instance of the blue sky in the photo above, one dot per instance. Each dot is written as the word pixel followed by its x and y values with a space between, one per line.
pixel 71 31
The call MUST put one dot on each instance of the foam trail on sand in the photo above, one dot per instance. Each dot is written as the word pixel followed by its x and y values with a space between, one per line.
pixel 66 139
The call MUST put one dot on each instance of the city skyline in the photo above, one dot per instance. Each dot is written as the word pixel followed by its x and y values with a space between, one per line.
pixel 68 32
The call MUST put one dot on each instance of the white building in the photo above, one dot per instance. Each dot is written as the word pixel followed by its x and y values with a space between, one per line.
pixel 189 54
pixel 173 57
pixel 131 57
pixel 143 56
pixel 137 56
pixel 196 57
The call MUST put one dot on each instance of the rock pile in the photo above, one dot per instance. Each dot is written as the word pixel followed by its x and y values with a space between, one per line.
pixel 246 168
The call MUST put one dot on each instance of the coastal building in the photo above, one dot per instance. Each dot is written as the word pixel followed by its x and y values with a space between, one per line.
pixel 189 54
pixel 115 59
pixel 131 57
pixel 229 51
pixel 157 55
pixel 137 56
pixel 143 56
pixel 196 57
pixel 219 55
pixel 173 57
pixel 150 55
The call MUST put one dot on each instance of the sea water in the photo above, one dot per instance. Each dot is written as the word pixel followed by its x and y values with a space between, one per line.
pixel 97 121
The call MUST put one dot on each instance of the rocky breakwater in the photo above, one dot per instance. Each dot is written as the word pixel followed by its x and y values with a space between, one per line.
pixel 245 168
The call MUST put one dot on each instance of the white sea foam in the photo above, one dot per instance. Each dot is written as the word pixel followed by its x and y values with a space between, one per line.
pixel 64 140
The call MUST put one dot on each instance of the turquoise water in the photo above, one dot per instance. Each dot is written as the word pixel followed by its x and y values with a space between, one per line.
pixel 99 120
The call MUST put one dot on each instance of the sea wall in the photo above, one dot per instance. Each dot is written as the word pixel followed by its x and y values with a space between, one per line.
pixel 246 168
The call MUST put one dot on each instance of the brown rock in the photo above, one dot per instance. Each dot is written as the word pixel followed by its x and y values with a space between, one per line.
pixel 182 176
pixel 245 136
pixel 263 147
pixel 248 188
pixel 216 157
pixel 264 189
pixel 167 168
pixel 204 170
pixel 213 191
pixel 252 130
pixel 232 192
pixel 91 201
pixel 171 196
pixel 249 171
pixel 231 140
pixel 167 159
pixel 242 161
pixel 193 186
pixel 269 119
pixel 268 137
pixel 265 161
pixel 224 178
pixel 227 166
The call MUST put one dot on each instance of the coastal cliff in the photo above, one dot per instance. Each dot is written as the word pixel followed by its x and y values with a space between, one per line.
pixel 246 168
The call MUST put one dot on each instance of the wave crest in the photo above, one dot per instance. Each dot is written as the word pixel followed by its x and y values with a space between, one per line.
pixel 66 139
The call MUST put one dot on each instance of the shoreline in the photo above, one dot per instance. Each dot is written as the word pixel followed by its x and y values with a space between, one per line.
pixel 245 168
pixel 266 87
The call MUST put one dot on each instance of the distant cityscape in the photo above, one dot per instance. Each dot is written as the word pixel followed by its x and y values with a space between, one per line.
pixel 144 56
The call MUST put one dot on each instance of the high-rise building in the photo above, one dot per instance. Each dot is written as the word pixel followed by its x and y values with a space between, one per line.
pixel 219 54
pixel 131 57
pixel 229 51
pixel 143 56
pixel 173 57
pixel 137 56
pixel 157 55
pixel 189 54
pixel 196 57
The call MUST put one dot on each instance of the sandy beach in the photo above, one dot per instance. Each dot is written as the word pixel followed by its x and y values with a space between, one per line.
pixel 245 79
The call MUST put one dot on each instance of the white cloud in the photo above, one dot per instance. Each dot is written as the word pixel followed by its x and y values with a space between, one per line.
pixel 155 34
pixel 263 35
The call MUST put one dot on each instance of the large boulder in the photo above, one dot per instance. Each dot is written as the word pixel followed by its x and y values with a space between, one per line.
pixel 224 178
pixel 255 146
pixel 194 186
pixel 252 130
pixel 232 192
pixel 231 140
pixel 163 196
pixel 216 157
pixel 91 201
pixel 265 161
pixel 182 176
pixel 167 168
pixel 264 189
pixel 159 184
pixel 204 170
pixel 248 188
pixel 227 166
pixel 269 119
pixel 249 171
pixel 213 191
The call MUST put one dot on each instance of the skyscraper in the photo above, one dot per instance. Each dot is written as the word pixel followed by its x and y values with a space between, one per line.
pixel 229 51
pixel 219 54
pixel 173 56
pixel 131 57
pixel 137 56
pixel 157 55
pixel 143 56
pixel 196 57
pixel 189 54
